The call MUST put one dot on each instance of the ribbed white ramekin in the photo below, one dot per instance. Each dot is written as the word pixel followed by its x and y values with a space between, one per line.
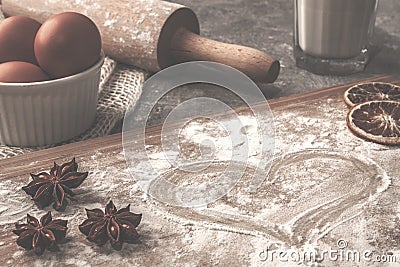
pixel 48 112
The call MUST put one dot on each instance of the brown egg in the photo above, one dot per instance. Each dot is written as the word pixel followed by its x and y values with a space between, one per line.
pixel 66 44
pixel 21 72
pixel 17 35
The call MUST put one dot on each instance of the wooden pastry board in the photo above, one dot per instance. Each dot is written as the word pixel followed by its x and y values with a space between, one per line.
pixel 325 186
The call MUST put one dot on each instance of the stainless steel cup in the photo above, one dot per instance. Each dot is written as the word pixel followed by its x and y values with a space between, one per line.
pixel 333 36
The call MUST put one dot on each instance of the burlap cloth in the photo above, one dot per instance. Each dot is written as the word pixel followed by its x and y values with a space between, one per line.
pixel 120 88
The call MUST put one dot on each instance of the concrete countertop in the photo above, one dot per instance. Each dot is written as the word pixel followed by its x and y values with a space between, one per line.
pixel 268 25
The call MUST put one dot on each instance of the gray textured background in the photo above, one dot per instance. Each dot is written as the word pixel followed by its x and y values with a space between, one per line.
pixel 268 26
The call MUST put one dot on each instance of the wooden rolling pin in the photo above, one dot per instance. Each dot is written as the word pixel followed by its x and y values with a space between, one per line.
pixel 152 34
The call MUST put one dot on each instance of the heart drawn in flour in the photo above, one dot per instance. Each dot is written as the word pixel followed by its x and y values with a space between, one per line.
pixel 304 196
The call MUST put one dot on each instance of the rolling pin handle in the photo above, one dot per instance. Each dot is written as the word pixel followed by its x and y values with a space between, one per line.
pixel 259 66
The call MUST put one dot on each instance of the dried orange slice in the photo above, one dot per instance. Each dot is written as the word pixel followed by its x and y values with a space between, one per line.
pixel 377 121
pixel 371 91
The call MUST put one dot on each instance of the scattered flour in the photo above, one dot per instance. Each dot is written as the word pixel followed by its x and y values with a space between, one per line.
pixel 319 180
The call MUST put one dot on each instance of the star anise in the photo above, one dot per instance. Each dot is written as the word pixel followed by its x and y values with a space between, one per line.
pixel 40 235
pixel 52 187
pixel 118 226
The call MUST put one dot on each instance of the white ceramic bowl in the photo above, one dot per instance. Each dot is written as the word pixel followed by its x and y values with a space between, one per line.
pixel 48 112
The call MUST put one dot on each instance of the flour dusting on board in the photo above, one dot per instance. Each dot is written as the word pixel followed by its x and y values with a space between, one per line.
pixel 321 185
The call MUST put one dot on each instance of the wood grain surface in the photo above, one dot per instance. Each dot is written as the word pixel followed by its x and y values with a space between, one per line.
pixel 18 165
pixel 171 236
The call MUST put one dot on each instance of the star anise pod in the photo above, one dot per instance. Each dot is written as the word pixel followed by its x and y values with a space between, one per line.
pixel 40 235
pixel 118 226
pixel 46 188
